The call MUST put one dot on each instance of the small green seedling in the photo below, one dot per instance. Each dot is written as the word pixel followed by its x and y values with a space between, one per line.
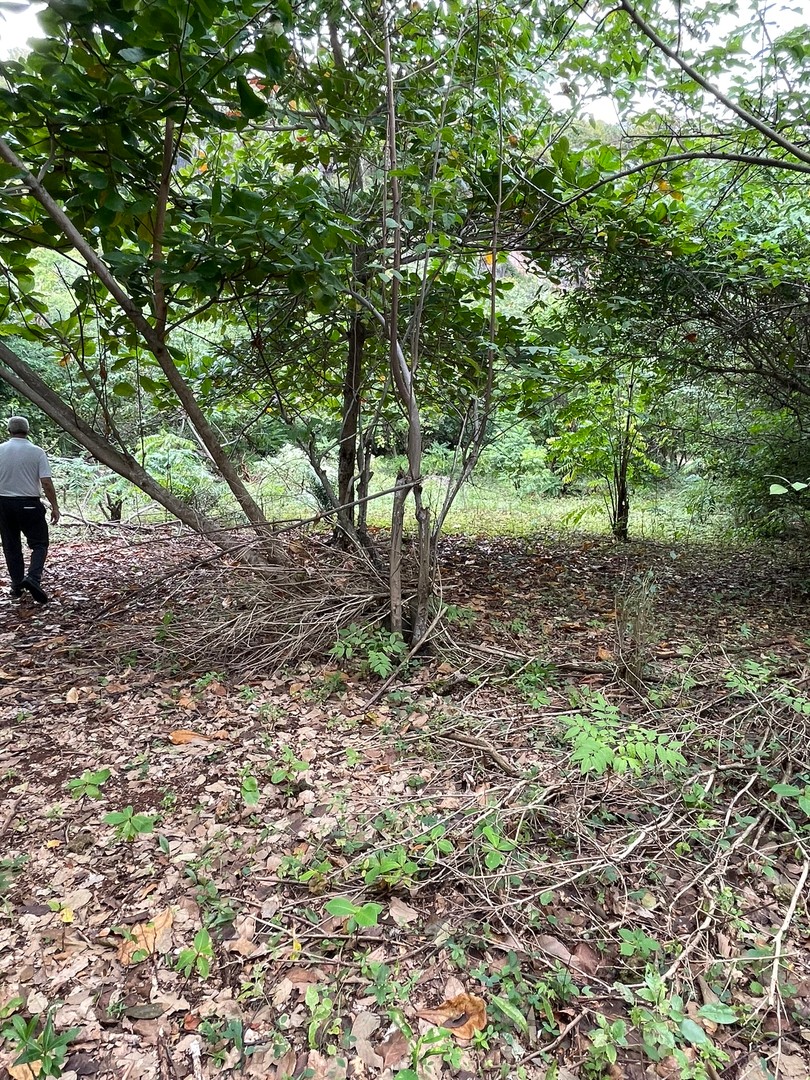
pixel 128 824
pixel 356 915
pixel 636 943
pixel 285 772
pixel 48 1048
pixel 249 788
pixel 198 958
pixel 89 784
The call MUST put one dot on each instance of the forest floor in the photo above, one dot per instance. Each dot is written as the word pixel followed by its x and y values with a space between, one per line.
pixel 556 850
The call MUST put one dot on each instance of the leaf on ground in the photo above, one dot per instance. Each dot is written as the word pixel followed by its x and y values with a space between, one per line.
pixel 365 1024
pixel 24 1072
pixel 553 947
pixel 585 959
pixel 393 1049
pixel 323 1068
pixel 77 899
pixel 402 913
pixel 793 1067
pixel 285 1067
pixel 184 735
pixel 367 1054
pixel 36 1002
pixel 464 1015
pixel 150 1010
pixel 363 1027
pixel 281 994
pixel 145 939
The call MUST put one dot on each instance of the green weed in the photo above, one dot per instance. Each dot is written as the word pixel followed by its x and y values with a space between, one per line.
pixel 89 784
pixel 128 824
pixel 45 1046
pixel 197 959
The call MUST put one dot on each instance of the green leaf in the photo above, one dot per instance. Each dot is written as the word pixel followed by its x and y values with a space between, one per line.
pixel 202 940
pixel 777 489
pixel 694 1033
pixel 786 789
pixel 124 390
pixel 250 790
pixel 512 1012
pixel 250 103
pixel 368 914
pixel 718 1013
pixel 341 907
pixel 135 54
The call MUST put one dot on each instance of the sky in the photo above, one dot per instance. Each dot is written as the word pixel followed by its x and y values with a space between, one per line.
pixel 16 28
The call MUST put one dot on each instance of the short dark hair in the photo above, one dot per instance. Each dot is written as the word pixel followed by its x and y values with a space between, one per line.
pixel 18 425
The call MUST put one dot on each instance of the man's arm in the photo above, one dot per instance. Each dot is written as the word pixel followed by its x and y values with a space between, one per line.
pixel 50 495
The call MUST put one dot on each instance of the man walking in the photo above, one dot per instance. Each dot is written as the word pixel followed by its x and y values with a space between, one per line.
pixel 23 469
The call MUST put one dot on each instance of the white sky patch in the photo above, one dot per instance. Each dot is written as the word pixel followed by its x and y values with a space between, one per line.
pixel 778 17
pixel 16 27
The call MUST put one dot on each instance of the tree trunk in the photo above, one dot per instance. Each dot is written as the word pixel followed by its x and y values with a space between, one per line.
pixel 26 382
pixel 364 475
pixel 621 503
pixel 396 554
pixel 347 456
pixel 155 341
pixel 426 548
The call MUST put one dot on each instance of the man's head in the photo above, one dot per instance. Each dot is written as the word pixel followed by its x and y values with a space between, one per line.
pixel 18 425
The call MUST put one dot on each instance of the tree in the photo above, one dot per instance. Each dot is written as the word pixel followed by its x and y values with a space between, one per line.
pixel 100 167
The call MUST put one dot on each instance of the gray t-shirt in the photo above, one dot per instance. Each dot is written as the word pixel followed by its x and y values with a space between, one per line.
pixel 22 466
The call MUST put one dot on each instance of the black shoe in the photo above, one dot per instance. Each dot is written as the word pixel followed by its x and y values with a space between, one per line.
pixel 36 591
pixel 16 592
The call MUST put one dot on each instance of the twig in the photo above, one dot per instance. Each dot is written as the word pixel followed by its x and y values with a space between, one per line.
pixel 693 942
pixel 550 1047
pixel 777 944
pixel 485 747
pixel 166 1067
pixel 11 815
pixel 195 1053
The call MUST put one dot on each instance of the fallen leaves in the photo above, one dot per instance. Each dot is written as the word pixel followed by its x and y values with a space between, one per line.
pixel 464 1015
pixel 24 1072
pixel 146 939
pixel 394 1050
pixel 184 736
pixel 402 913
pixel 363 1027
pixel 272 934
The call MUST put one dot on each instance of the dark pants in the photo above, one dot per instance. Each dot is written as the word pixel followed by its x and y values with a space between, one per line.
pixel 23 517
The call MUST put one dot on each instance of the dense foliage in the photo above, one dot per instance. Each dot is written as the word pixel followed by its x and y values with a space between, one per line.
pixel 378 230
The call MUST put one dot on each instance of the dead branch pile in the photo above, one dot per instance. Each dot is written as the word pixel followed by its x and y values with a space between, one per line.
pixel 261 620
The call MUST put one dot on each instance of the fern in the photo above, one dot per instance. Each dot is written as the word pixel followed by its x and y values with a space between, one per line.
pixel 602 742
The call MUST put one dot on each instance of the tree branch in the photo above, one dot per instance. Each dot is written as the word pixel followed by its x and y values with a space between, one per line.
pixel 753 121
